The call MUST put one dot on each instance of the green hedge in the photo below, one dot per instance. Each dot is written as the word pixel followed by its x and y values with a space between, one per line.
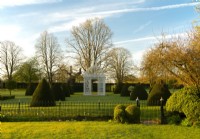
pixel 7 97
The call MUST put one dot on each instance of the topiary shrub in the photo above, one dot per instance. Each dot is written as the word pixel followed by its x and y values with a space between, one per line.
pixel 124 91
pixel 158 90
pixel 42 95
pixel 185 101
pixel 119 113
pixel 133 114
pixel 138 91
pixel 30 89
pixel 118 88
pixel 65 90
pixel 58 92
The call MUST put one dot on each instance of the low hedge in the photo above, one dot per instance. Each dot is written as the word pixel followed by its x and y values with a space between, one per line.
pixel 7 97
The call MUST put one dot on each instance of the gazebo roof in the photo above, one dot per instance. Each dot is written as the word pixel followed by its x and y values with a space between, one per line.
pixel 94 71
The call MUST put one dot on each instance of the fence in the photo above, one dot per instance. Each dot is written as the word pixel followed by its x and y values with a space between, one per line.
pixel 82 110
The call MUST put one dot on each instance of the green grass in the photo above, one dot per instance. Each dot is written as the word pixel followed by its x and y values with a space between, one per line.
pixel 94 130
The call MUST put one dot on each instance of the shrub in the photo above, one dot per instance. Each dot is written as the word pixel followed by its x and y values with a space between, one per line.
pixel 133 114
pixel 30 89
pixel 7 97
pixel 158 90
pixel 119 113
pixel 118 88
pixel 124 91
pixel 174 119
pixel 185 101
pixel 65 90
pixel 42 95
pixel 138 91
pixel 2 119
pixel 57 92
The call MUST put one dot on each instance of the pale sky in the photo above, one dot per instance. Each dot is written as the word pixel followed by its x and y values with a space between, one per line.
pixel 135 23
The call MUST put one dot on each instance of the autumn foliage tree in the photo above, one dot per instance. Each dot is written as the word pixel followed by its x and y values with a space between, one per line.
pixel 179 57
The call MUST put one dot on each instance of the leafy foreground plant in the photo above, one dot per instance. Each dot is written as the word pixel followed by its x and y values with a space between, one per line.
pixel 187 102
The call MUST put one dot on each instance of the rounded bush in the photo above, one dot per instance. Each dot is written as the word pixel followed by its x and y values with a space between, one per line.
pixel 42 95
pixel 119 113
pixel 158 90
pixel 57 92
pixel 133 114
pixel 138 91
pixel 185 101
pixel 124 91
pixel 30 89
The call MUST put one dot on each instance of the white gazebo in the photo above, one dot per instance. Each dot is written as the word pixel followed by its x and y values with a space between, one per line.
pixel 94 73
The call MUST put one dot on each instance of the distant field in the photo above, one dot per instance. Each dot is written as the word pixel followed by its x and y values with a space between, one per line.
pixel 94 130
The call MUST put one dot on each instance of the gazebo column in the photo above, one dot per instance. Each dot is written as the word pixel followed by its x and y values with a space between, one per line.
pixel 87 86
pixel 101 86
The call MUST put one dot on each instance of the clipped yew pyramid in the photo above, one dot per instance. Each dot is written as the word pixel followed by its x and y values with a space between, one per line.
pixel 138 92
pixel 42 95
pixel 158 90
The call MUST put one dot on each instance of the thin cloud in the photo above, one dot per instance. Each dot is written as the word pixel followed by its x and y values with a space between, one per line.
pixel 11 3
pixel 142 27
pixel 151 38
pixel 89 12
pixel 147 9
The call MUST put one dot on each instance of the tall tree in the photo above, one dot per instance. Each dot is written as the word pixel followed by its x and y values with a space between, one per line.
pixel 10 58
pixel 49 54
pixel 119 63
pixel 178 57
pixel 28 72
pixel 90 42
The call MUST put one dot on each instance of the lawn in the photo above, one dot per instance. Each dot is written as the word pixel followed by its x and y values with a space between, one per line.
pixel 94 130
pixel 77 104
